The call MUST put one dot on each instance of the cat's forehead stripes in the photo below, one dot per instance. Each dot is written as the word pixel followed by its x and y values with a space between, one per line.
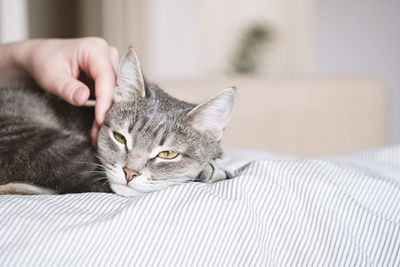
pixel 131 125
pixel 164 137
pixel 157 131
pixel 142 123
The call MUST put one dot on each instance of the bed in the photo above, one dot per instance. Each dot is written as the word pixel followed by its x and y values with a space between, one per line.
pixel 279 210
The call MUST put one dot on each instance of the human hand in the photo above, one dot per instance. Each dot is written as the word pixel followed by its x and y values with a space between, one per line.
pixel 55 64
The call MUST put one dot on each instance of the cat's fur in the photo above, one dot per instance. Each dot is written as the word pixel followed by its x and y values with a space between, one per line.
pixel 44 141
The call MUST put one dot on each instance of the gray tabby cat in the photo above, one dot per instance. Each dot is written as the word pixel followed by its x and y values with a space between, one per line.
pixel 148 141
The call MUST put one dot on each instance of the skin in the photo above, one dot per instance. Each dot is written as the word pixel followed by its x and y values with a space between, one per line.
pixel 55 65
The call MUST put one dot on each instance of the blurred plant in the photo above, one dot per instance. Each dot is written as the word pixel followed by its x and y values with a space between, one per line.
pixel 246 58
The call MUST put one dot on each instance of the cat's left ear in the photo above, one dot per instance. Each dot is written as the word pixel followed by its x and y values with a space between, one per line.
pixel 213 115
pixel 130 82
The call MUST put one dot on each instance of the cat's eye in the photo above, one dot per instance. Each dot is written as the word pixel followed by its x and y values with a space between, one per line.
pixel 168 154
pixel 119 137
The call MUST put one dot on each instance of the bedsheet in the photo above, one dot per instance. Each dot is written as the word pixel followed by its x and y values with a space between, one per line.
pixel 277 211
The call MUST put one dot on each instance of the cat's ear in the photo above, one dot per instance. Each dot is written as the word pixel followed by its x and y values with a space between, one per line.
pixel 130 82
pixel 213 115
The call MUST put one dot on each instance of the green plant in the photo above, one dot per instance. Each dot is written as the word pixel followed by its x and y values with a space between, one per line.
pixel 253 41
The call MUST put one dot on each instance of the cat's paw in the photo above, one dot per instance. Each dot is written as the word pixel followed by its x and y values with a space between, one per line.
pixel 220 175
pixel 213 173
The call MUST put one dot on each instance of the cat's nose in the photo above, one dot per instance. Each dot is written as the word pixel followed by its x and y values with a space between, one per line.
pixel 130 174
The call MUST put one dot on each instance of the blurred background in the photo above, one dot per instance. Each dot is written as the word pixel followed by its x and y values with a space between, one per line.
pixel 188 39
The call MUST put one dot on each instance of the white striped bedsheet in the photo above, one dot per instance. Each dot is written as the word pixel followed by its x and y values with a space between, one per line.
pixel 279 211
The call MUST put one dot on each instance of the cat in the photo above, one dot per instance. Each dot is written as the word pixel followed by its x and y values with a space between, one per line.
pixel 147 142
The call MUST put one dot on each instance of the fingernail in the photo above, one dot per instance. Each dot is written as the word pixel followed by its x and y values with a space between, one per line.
pixel 80 96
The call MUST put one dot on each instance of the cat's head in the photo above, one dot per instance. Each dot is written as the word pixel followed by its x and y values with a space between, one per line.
pixel 150 140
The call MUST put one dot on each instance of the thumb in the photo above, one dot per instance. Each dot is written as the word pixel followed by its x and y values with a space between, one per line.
pixel 73 91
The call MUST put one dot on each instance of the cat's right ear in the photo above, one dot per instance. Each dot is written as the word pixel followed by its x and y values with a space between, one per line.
pixel 130 82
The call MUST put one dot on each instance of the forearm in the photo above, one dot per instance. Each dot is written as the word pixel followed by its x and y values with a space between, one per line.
pixel 14 59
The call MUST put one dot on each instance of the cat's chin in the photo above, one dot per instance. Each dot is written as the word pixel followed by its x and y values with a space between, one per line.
pixel 124 190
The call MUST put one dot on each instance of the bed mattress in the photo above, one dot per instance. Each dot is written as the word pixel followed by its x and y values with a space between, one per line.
pixel 277 211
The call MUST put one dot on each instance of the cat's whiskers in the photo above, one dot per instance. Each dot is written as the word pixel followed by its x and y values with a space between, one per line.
pixel 85 172
pixel 97 165
pixel 99 179
pixel 78 174
pixel 104 165
pixel 89 163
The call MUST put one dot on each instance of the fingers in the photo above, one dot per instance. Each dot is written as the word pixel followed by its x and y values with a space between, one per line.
pixel 101 64
pixel 104 86
pixel 68 88
pixel 94 131
pixel 75 92
pixel 103 91
pixel 101 67
pixel 56 64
